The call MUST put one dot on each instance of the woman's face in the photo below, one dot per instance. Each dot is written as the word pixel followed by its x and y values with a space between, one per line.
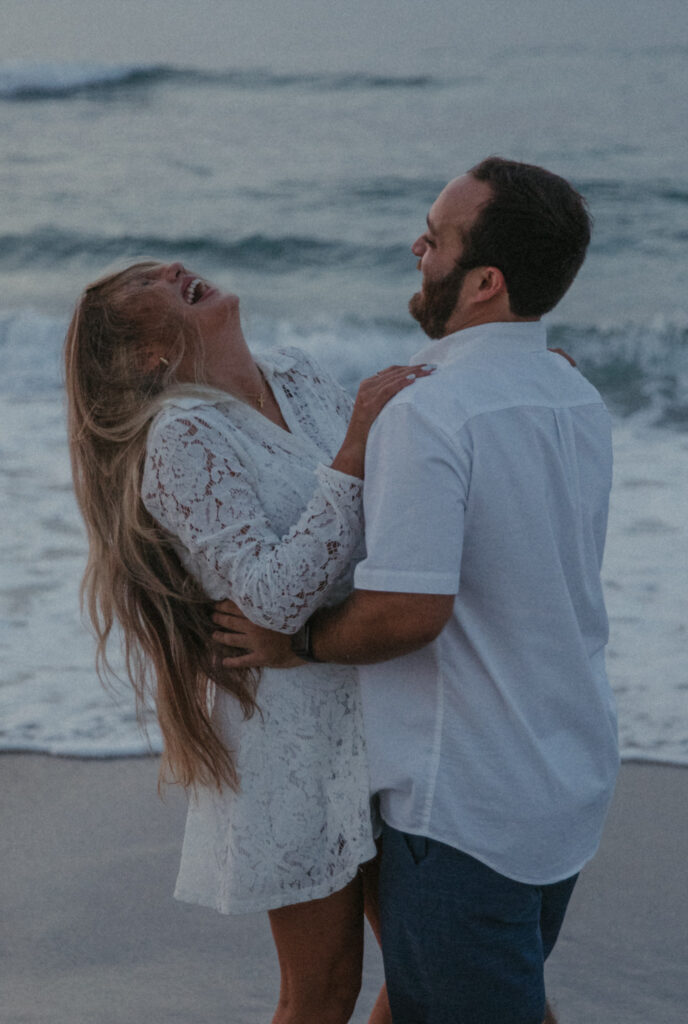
pixel 208 314
pixel 185 290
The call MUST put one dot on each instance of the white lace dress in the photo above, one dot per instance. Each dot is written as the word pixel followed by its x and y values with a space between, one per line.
pixel 262 519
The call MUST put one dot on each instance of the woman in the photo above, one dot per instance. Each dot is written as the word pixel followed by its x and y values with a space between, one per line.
pixel 204 474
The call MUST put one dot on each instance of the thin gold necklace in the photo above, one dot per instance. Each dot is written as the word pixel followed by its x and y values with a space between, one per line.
pixel 259 399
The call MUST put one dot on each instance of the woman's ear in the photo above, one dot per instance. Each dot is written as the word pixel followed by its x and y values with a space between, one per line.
pixel 152 361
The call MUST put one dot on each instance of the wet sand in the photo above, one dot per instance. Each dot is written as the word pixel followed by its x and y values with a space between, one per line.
pixel 89 933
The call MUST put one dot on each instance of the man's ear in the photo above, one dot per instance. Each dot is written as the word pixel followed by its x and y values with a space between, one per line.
pixel 489 285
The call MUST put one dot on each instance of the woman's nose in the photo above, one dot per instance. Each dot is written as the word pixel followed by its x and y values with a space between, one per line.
pixel 174 271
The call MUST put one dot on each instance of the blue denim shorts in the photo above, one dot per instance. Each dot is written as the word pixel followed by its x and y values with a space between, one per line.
pixel 461 943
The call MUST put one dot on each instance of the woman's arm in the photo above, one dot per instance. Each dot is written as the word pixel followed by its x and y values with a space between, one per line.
pixel 198 487
pixel 204 495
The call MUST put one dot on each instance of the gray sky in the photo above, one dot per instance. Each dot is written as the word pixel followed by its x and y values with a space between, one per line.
pixel 222 33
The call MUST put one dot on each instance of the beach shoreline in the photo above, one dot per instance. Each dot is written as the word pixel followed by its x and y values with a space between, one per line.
pixel 88 858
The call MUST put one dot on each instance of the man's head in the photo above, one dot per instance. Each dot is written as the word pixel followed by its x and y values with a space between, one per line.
pixel 504 242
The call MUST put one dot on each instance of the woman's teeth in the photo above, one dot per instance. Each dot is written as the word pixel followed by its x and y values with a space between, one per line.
pixel 193 291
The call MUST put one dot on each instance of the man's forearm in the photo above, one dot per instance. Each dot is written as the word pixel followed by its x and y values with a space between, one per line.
pixel 372 626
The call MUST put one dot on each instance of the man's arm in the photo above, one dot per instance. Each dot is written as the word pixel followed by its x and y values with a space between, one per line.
pixel 375 625
pixel 370 626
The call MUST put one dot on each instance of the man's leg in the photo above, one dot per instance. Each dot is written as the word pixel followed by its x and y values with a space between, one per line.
pixel 461 943
pixel 555 900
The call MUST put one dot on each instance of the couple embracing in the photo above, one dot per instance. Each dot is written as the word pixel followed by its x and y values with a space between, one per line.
pixel 432 637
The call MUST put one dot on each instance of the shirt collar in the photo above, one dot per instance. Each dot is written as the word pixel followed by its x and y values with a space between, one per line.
pixel 513 335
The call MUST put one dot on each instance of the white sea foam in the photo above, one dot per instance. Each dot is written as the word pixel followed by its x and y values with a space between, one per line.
pixel 646 583
pixel 50 699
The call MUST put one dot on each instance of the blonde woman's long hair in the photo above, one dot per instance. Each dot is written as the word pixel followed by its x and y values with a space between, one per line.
pixel 133 574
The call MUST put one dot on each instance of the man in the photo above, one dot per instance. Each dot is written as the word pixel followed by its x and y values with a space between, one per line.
pixel 478 613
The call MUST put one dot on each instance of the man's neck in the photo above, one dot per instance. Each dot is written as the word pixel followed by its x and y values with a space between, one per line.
pixel 479 319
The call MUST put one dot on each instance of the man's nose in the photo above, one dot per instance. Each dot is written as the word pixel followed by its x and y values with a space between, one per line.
pixel 418 248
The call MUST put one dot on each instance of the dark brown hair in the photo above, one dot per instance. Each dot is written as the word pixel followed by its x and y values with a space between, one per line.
pixel 536 230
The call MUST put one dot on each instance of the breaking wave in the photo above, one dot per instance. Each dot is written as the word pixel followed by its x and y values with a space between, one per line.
pixel 39 81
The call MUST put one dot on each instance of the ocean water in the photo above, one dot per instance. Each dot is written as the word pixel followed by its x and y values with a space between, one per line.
pixel 293 159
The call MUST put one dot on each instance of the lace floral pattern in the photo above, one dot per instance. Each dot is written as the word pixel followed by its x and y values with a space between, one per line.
pixel 230 486
pixel 260 517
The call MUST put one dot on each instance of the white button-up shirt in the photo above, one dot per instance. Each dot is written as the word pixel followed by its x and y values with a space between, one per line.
pixel 490 480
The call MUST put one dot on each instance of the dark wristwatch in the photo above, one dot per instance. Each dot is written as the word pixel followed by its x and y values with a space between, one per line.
pixel 301 643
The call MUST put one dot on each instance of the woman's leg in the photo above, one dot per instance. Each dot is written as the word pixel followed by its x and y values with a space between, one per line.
pixel 370 872
pixel 320 951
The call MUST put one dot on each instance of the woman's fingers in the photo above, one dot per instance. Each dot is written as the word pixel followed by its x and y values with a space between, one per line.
pixel 373 395
pixel 375 392
pixel 387 370
pixel 397 376
pixel 392 377
pixel 379 389
pixel 421 369
pixel 425 368
pixel 398 380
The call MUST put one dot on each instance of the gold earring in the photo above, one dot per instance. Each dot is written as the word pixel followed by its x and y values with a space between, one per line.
pixel 165 362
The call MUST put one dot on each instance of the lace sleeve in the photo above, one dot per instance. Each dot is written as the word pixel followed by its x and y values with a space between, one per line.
pixel 204 494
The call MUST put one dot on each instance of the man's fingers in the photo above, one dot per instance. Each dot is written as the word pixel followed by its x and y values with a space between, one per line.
pixel 226 621
pixel 242 661
pixel 231 639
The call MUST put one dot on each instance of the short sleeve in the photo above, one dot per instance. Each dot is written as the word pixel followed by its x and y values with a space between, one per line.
pixel 416 489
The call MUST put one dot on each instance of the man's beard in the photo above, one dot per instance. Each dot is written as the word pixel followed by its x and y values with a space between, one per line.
pixel 433 306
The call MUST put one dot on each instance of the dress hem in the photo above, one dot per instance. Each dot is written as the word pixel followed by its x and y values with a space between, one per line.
pixel 274 902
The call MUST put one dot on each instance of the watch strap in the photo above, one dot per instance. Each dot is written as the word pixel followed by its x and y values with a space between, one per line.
pixel 301 643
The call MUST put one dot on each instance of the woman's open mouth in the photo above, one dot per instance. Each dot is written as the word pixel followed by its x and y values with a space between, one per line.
pixel 194 291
